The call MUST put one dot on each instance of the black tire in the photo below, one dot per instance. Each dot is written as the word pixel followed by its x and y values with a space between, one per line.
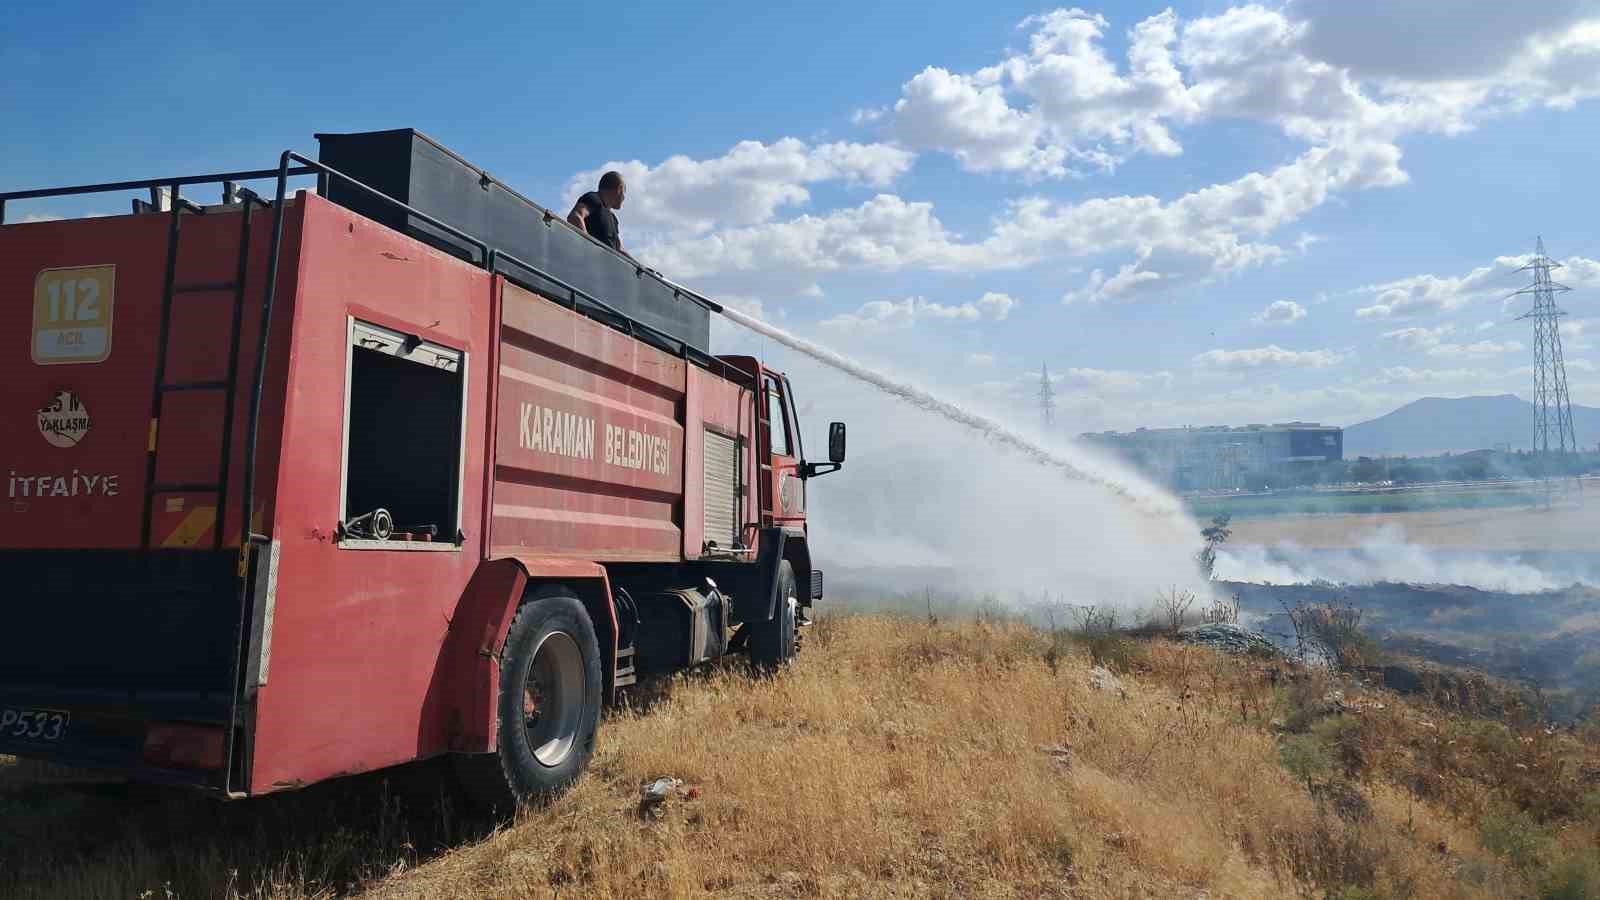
pixel 772 643
pixel 546 735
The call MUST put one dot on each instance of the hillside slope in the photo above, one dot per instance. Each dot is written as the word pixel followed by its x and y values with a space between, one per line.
pixel 1434 425
pixel 903 758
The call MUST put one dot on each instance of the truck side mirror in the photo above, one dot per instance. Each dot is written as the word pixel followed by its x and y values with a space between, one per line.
pixel 836 442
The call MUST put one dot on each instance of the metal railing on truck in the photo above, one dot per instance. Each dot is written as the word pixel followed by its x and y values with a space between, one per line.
pixel 294 165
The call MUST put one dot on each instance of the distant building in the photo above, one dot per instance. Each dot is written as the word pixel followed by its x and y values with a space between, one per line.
pixel 1222 458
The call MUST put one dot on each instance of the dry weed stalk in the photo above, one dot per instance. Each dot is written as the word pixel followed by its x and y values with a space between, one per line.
pixel 1174 605
pixel 1224 609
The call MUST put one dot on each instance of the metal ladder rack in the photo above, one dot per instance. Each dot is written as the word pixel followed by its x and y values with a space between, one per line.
pixel 227 385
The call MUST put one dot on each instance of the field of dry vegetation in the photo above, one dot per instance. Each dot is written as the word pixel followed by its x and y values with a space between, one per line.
pixel 911 758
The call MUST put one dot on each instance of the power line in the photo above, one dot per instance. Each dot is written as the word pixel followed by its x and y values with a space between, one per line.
pixel 1552 409
pixel 1047 397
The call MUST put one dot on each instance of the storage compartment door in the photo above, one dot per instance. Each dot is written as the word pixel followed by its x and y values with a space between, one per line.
pixel 721 513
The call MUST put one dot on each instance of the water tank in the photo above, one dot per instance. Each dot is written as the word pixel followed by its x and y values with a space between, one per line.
pixel 419 171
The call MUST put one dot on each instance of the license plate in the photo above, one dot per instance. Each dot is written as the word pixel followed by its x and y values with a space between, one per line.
pixel 46 725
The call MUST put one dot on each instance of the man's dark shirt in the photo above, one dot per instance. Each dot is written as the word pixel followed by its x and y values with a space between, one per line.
pixel 600 222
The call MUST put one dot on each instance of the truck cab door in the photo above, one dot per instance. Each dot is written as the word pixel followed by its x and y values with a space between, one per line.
pixel 783 491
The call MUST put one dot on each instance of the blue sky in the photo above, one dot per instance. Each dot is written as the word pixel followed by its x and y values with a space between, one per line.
pixel 1202 213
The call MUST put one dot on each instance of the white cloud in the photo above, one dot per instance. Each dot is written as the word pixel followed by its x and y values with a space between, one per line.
pixel 1213 229
pixel 971 120
pixel 1480 348
pixel 1317 69
pixel 1112 380
pixel 1418 338
pixel 889 314
pixel 1216 223
pixel 885 233
pixel 1281 312
pixel 1578 272
pixel 996 306
pixel 728 337
pixel 1576 334
pixel 1421 295
pixel 1268 402
pixel 1063 105
pixel 1408 375
pixel 1432 341
pixel 40 217
pixel 752 306
pixel 1269 357
pixel 980 360
pixel 1460 39
pixel 1129 283
pixel 1079 387
pixel 745 186
pixel 1427 294
pixel 1075 111
pixel 1090 292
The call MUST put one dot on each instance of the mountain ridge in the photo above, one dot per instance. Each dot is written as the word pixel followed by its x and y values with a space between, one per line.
pixel 1433 425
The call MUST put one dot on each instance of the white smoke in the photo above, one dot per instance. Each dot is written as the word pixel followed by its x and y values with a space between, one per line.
pixel 1384 555
pixel 1077 466
pixel 936 496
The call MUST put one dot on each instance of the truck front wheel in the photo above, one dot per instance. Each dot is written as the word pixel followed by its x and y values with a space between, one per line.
pixel 549 703
pixel 772 643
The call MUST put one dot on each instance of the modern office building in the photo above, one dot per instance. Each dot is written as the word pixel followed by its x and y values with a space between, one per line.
pixel 1222 458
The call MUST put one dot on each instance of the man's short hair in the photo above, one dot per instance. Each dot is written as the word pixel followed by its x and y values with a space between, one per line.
pixel 610 181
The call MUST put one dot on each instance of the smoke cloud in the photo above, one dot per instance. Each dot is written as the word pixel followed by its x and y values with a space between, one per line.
pixel 1384 555
pixel 936 495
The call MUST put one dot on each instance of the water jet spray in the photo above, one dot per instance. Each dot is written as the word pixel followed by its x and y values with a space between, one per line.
pixel 1146 502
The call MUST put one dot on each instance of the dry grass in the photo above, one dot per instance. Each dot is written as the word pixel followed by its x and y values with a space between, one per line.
pixel 901 758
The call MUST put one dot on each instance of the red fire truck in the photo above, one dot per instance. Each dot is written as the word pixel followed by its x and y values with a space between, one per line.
pixel 314 483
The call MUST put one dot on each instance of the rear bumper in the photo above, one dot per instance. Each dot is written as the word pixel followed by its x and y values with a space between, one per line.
pixel 207 783
pixel 123 765
pixel 119 641
pixel 107 733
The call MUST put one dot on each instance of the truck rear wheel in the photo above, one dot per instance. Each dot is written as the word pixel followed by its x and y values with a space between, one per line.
pixel 773 643
pixel 548 707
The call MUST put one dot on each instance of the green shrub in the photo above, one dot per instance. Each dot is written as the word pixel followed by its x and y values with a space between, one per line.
pixel 1306 757
pixel 1114 651
pixel 1517 837
pixel 1591 806
pixel 1577 878
pixel 1341 735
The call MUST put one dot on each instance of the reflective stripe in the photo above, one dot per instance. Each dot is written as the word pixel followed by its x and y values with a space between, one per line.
pixel 192 528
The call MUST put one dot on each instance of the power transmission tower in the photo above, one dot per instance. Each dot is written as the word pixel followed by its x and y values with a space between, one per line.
pixel 1552 410
pixel 1047 397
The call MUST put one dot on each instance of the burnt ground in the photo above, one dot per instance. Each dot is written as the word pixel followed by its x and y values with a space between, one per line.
pixel 1546 643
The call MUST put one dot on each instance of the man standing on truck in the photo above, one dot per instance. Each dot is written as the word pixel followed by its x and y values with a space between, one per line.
pixel 593 212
